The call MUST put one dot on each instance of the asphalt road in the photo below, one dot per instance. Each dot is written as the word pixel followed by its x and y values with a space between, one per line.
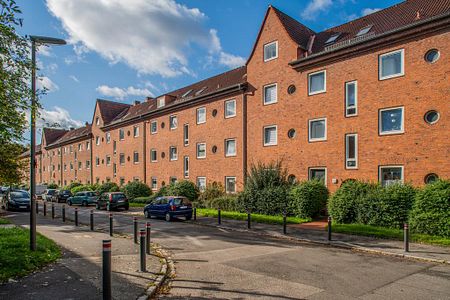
pixel 213 263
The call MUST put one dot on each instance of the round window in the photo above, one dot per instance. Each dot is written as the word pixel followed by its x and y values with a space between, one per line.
pixel 432 56
pixel 291 89
pixel 431 117
pixel 163 124
pixel 163 183
pixel 430 178
pixel 291 133
pixel 214 149
pixel 214 112
pixel 292 179
pixel 163 154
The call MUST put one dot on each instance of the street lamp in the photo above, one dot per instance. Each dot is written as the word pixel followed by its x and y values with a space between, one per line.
pixel 40 40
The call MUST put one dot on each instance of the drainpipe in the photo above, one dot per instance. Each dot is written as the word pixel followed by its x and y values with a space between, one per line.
pixel 244 136
pixel 91 146
pixel 61 166
pixel 144 153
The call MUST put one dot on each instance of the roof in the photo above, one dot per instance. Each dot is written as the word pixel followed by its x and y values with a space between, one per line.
pixel 110 109
pixel 52 134
pixel 27 153
pixel 73 135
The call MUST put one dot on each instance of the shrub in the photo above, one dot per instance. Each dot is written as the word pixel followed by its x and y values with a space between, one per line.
pixel 386 206
pixel 136 189
pixel 72 185
pixel 52 186
pixel 227 202
pixel 343 204
pixel 81 188
pixel 145 200
pixel 213 190
pixel 108 187
pixel 308 198
pixel 430 213
pixel 183 188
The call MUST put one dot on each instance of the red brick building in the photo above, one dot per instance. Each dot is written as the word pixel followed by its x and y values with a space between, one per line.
pixel 368 99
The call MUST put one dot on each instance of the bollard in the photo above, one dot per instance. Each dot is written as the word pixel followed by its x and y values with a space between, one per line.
pixel 406 236
pixel 195 213
pixel 53 211
pixel 37 207
pixel 329 228
pixel 110 224
pixel 284 222
pixel 63 212
pixel 147 238
pixel 106 278
pixel 45 209
pixel 76 216
pixel 135 230
pixel 91 221
pixel 249 219
pixel 219 217
pixel 142 250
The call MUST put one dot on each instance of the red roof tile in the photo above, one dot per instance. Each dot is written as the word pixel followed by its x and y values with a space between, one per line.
pixel 110 109
pixel 52 134
pixel 73 135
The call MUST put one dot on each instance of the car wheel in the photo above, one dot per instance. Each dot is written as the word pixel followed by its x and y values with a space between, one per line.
pixel 69 203
pixel 168 217
pixel 147 214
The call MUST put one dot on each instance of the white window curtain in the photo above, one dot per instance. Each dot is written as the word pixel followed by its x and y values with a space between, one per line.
pixel 270 94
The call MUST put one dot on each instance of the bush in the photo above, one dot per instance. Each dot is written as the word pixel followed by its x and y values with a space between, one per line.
pixel 52 186
pixel 343 204
pixel 136 189
pixel 228 203
pixel 82 188
pixel 386 206
pixel 108 187
pixel 72 185
pixel 430 213
pixel 213 190
pixel 308 198
pixel 183 188
pixel 145 200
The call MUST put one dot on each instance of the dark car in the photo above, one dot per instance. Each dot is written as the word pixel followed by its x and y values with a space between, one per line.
pixel 83 198
pixel 61 196
pixel 169 207
pixel 16 200
pixel 48 194
pixel 113 200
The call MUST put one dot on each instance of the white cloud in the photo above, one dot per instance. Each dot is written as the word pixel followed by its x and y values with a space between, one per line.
pixel 121 93
pixel 230 60
pixel 44 50
pixel 45 83
pixel 314 7
pixel 74 78
pixel 368 11
pixel 58 117
pixel 152 37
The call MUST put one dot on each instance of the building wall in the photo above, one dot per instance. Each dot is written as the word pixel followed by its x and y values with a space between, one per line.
pixel 72 154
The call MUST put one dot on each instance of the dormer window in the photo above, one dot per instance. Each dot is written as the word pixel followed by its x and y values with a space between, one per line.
pixel 332 38
pixel 160 102
pixel 97 121
pixel 186 94
pixel 364 30
pixel 271 51
pixel 201 90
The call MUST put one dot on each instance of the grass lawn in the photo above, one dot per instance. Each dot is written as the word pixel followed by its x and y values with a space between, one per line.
pixel 4 221
pixel 206 212
pixel 137 204
pixel 389 233
pixel 17 260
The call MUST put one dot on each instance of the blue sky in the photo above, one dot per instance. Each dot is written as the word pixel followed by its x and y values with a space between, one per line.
pixel 126 50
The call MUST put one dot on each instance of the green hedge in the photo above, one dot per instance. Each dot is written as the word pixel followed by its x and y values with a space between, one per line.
pixel 108 187
pixel 308 198
pixel 52 186
pixel 213 190
pixel 82 188
pixel 136 189
pixel 182 188
pixel 144 200
pixel 227 202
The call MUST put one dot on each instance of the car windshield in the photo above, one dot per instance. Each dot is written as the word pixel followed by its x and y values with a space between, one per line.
pixel 65 192
pixel 118 196
pixel 51 192
pixel 20 195
pixel 90 194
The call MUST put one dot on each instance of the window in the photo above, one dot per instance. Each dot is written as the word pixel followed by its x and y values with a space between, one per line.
pixel 432 56
pixel 332 38
pixel 108 137
pixel 186 93
pixel 430 178
pixel 114 147
pixel 153 127
pixel 135 131
pixel 391 121
pixel 318 173
pixel 186 134
pixel 230 108
pixel 97 161
pixel 122 158
pixel 173 154
pixel 136 157
pixel 270 94
pixel 121 181
pixel 431 117
pixel 173 180
pixel 80 147
pixel 201 115
pixel 201 183
pixel 200 91
pixel 80 165
pixel 154 183
pixel 71 166
pixel 88 164
pixel 160 102
pixel 351 98
pixel 65 149
pixel 108 160
pixel 351 151
pixel 291 133
pixel 391 64
pixel 97 141
pixel 230 184
pixel 230 147
pixel 270 135
pixel 364 30
pixel 271 51
pixel 391 175
pixel 88 145
pixel 71 149
pixel 173 120
pixel 201 150
pixel 121 134
pixel 317 82
pixel 114 170
pixel 97 121
pixel 65 167
pixel 186 166
pixel 317 130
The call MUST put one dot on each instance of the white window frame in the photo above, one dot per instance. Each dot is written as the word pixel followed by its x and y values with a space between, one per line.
pixel 151 155
pixel 186 139
pixel 402 61
pixel 80 165
pixel 198 181
pixel 225 109
pixel 136 131
pixel 380 179
pixel 318 168
pixel 200 157
pixel 197 118
pixel 124 159
pixel 97 142
pixel 97 121
pixel 310 139
pixel 80 148
pixel 170 153
pixel 347 107
pixel 264 51
pixel 120 134
pixel 172 117
pixel 88 164
pixel 134 161
pixel 226 184
pixel 151 127
pixel 324 83
pixel 108 163
pixel 97 161
pixel 380 121
pixel 264 93
pixel 186 166
pixel 347 159
pixel 155 179
pixel 108 137
pixel 226 148
pixel 264 135
pixel 160 102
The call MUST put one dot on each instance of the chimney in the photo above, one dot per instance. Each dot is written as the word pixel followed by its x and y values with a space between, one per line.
pixel 136 102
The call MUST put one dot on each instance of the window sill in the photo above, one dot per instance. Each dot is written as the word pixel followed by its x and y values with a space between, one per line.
pixel 317 93
pixel 391 76
pixel 317 140
pixel 391 133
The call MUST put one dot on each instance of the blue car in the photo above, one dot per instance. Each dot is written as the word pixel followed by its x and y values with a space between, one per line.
pixel 169 207
pixel 16 200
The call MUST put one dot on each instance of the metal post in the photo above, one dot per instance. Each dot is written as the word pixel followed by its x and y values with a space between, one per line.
pixel 249 220
pixel 45 209
pixel 76 216
pixel 195 213
pixel 53 211
pixel 142 250
pixel 63 213
pixel 148 231
pixel 37 207
pixel 284 223
pixel 135 230
pixel 329 228
pixel 219 217
pixel 91 221
pixel 406 236
pixel 33 149
pixel 111 224
pixel 106 278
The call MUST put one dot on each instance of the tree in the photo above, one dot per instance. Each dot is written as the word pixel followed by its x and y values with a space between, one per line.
pixel 12 167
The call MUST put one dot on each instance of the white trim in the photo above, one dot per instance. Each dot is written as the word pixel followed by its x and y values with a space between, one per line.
pixel 324 83
pixel 356 151
pixel 170 153
pixel 264 93
pixel 196 115
pixel 201 177
pixel 196 150
pixel 380 179
pixel 108 137
pixel 186 140
pixel 122 130
pixel 135 162
pixel 134 128
pixel 310 139
pixel 226 148
pixel 318 168
pixel 380 121
pixel 151 127
pixel 225 109
pixel 186 170
pixel 124 159
pixel 151 156
pixel 226 184
pixel 402 67
pixel 347 107
pixel 170 122
pixel 264 51
pixel 264 135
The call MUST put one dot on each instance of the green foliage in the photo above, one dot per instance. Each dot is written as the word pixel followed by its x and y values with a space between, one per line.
pixel 108 187
pixel 83 188
pixel 143 200
pixel 308 198
pixel 431 210
pixel 213 190
pixel 183 188
pixel 13 170
pixel 71 186
pixel 136 189
pixel 52 186
pixel 226 202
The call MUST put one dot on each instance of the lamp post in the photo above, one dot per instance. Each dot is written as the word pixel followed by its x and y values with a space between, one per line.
pixel 40 40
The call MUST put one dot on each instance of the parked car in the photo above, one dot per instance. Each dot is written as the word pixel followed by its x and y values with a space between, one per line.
pixel 169 207
pixel 17 200
pixel 61 196
pixel 83 198
pixel 40 190
pixel 47 195
pixel 113 200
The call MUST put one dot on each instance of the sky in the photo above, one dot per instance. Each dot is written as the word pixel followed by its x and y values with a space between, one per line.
pixel 128 50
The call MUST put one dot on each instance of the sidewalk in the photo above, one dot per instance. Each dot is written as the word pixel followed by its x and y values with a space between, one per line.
pixel 357 243
pixel 77 275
